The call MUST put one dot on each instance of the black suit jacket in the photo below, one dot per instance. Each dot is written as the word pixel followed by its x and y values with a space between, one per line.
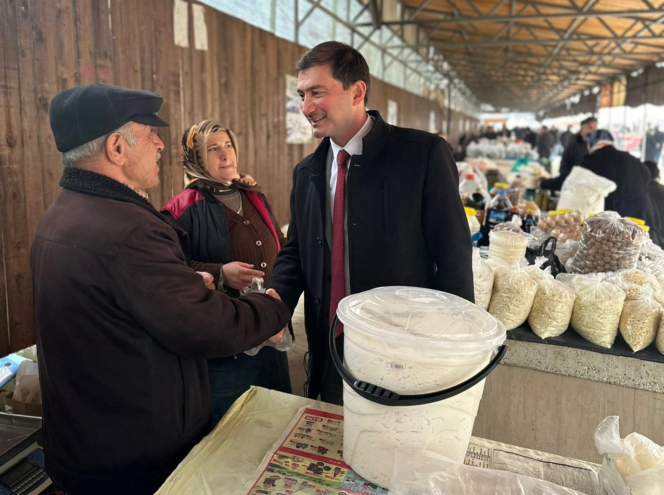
pixel 406 226
pixel 574 154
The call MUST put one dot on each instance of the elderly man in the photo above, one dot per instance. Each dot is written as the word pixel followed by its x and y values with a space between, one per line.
pixel 123 326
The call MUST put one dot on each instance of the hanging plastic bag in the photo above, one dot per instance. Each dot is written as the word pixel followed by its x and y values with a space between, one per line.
pixel 630 466
pixel 513 294
pixel 483 281
pixel 585 191
pixel 597 309
pixel 420 472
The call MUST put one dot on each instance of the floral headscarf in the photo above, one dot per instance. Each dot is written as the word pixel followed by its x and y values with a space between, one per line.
pixel 194 157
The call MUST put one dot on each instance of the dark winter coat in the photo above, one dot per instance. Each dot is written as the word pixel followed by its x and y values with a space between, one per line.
pixel 123 327
pixel 406 226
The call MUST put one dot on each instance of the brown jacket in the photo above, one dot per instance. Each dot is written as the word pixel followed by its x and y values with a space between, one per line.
pixel 123 327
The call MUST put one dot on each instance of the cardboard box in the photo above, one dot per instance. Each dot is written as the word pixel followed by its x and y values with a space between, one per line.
pixel 15 407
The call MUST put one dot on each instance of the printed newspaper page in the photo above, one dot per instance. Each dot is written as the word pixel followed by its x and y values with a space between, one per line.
pixel 308 460
pixel 570 473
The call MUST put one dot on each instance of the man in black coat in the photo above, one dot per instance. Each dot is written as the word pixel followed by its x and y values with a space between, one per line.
pixel 404 221
pixel 576 151
pixel 656 192
pixel 632 178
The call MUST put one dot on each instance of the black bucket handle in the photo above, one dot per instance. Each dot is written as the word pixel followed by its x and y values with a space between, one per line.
pixel 386 397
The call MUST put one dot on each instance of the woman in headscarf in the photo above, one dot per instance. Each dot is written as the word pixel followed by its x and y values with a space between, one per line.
pixel 234 236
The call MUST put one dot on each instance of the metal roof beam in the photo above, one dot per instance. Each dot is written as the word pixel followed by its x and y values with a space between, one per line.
pixel 576 23
pixel 492 44
pixel 536 17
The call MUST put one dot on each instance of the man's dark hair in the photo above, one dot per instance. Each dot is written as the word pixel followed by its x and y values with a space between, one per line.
pixel 347 64
pixel 588 120
pixel 654 169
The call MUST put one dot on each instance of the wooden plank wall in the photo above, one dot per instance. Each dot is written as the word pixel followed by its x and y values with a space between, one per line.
pixel 49 45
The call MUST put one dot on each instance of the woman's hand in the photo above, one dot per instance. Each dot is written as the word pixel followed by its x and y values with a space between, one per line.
pixel 237 275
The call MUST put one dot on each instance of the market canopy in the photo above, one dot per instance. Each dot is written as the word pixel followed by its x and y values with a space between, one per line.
pixel 529 55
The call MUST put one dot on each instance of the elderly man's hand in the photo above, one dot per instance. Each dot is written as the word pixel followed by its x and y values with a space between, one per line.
pixel 208 279
pixel 279 336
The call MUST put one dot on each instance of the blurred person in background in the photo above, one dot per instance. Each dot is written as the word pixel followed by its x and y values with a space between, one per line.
pixel 654 142
pixel 566 137
pixel 631 198
pixel 656 192
pixel 576 151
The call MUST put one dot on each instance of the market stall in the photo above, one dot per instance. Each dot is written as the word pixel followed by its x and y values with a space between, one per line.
pixel 581 296
pixel 550 395
pixel 229 459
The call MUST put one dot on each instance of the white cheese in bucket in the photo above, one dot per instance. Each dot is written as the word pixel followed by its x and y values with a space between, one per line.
pixel 412 341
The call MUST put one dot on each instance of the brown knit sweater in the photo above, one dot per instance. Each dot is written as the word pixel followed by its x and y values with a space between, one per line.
pixel 251 240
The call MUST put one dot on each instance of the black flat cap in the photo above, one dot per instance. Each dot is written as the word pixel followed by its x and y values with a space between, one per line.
pixel 84 113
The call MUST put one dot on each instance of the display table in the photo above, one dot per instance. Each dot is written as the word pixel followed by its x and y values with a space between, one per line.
pixel 227 458
pixel 551 395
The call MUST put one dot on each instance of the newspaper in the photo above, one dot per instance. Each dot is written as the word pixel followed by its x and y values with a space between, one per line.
pixel 569 473
pixel 308 459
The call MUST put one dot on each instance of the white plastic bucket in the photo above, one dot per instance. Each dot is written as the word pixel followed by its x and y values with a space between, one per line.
pixel 415 363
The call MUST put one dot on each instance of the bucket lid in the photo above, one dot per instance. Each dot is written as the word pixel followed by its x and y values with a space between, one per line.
pixel 421 318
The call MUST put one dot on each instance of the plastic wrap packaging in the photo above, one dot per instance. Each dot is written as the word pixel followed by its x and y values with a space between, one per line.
pixel 563 225
pixel 537 238
pixel 483 281
pixel 640 320
pixel 507 246
pixel 420 472
pixel 651 255
pixel 656 269
pixel 566 251
pixel 585 191
pixel 552 307
pixel 659 339
pixel 608 243
pixel 630 466
pixel 597 309
pixel 27 383
pixel 513 294
pixel 632 283
pixel 513 225
pixel 535 271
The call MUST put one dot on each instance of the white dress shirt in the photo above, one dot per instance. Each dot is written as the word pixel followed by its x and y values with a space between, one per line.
pixel 353 147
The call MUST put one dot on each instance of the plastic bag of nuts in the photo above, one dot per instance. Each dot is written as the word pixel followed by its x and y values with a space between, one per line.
pixel 483 280
pixel 608 243
pixel 597 310
pixel 659 340
pixel 552 307
pixel 563 225
pixel 640 320
pixel 513 294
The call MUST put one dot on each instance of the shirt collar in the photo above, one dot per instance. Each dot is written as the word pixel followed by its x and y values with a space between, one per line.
pixel 354 146
pixel 142 194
